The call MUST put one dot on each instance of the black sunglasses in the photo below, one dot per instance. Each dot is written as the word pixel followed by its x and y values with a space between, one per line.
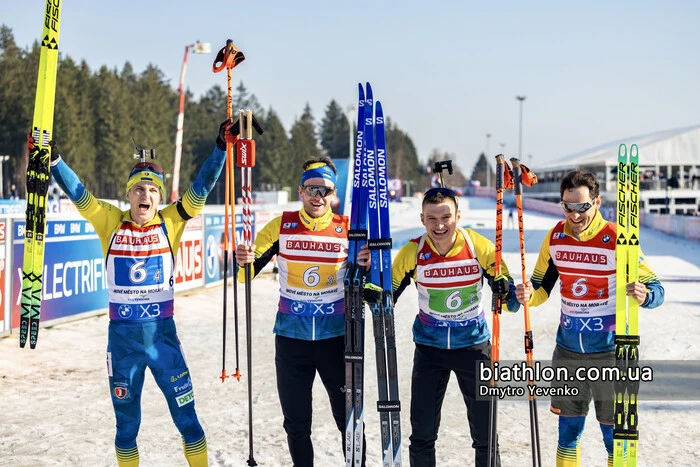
pixel 578 207
pixel 321 191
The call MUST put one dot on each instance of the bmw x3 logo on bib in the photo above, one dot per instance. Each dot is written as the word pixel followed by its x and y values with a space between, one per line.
pixel 339 229
pixel 125 311
pixel 298 308
pixel 566 322
pixel 606 238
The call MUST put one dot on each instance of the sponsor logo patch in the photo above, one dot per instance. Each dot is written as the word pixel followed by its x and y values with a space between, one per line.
pixel 120 392
pixel 185 398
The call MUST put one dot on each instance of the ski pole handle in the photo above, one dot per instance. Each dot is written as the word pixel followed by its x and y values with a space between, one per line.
pixel 229 56
pixel 245 147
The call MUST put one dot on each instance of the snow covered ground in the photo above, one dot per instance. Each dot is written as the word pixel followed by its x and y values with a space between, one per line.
pixel 56 408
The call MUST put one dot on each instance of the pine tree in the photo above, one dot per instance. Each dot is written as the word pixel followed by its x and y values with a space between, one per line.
pixel 334 132
pixel 482 170
pixel 273 148
pixel 304 144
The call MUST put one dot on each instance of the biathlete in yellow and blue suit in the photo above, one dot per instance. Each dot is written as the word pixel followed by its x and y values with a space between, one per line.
pixel 449 265
pixel 140 246
pixel 579 252
pixel 312 249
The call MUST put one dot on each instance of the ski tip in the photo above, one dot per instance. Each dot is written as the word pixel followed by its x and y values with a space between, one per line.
pixel 622 150
pixel 634 150
pixel 369 90
pixel 378 106
pixel 361 92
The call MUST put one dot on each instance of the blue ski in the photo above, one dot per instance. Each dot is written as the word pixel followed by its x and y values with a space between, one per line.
pixel 354 282
pixel 380 244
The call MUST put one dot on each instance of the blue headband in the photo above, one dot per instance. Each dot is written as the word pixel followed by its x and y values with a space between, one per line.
pixel 318 170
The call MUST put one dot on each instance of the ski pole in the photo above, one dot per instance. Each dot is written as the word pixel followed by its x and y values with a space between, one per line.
pixel 245 159
pixel 503 180
pixel 523 176
pixel 228 57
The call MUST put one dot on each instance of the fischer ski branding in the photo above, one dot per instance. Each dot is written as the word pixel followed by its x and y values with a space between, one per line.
pixel 38 176
pixel 626 309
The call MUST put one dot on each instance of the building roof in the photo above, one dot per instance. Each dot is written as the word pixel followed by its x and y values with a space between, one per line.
pixel 680 146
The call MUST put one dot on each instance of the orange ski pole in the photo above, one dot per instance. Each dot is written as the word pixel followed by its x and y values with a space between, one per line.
pixel 523 176
pixel 228 57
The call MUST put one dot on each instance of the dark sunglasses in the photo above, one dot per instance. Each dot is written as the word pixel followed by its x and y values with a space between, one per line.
pixel 578 207
pixel 152 166
pixel 321 191
pixel 440 190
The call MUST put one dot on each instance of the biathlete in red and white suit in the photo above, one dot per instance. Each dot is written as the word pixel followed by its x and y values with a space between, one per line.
pixel 140 246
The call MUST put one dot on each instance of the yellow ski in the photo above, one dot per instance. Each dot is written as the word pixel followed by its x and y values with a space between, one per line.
pixel 38 176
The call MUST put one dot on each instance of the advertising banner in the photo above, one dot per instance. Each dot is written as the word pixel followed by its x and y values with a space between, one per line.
pixel 214 245
pixel 74 270
pixel 189 262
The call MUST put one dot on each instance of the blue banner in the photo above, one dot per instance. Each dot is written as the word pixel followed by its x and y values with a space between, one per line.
pixel 75 279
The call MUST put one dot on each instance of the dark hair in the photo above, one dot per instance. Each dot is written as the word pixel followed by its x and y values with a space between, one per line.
pixel 439 196
pixel 325 159
pixel 578 178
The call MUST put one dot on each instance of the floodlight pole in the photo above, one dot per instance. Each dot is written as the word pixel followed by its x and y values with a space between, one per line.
pixel 197 48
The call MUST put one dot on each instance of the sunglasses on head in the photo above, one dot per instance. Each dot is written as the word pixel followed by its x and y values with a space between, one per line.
pixel 442 191
pixel 578 207
pixel 321 191
pixel 152 166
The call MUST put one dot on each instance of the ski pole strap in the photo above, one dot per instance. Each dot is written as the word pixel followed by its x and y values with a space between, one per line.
pixel 357 235
pixel 229 56
pixel 379 243
pixel 388 406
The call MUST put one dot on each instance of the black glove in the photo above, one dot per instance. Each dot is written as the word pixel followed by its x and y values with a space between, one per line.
pixel 31 148
pixel 55 155
pixel 500 285
pixel 372 294
pixel 225 135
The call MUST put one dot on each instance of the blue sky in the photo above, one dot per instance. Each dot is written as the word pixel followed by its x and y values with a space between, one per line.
pixel 447 72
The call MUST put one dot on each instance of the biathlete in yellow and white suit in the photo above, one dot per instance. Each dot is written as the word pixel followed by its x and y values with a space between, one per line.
pixel 312 248
pixel 448 265
pixel 580 252
pixel 140 246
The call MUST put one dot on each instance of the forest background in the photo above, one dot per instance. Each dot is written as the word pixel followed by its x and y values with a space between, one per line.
pixel 100 114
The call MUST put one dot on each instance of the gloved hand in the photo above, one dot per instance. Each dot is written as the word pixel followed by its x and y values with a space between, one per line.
pixel 55 155
pixel 225 135
pixel 372 294
pixel 33 149
pixel 500 285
